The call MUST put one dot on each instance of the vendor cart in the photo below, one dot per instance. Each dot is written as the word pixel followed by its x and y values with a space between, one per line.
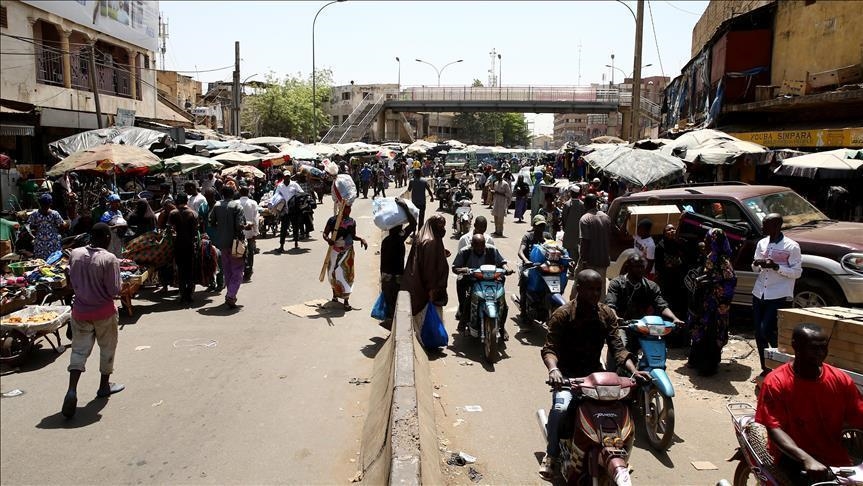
pixel 130 286
pixel 17 335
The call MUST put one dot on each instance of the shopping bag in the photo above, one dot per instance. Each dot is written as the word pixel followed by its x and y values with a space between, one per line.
pixel 433 334
pixel 379 310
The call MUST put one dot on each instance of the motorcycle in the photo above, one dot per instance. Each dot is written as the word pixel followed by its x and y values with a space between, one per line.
pixel 757 463
pixel 443 193
pixel 545 282
pixel 487 308
pixel 602 431
pixel 655 398
pixel 463 218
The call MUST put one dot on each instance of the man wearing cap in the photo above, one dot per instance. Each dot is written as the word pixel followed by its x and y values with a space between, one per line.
pixel 290 215
pixel 46 225
pixel 536 236
pixel 94 274
pixel 573 210
pixel 114 219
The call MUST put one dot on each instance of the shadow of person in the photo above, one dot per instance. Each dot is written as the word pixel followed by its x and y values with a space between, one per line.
pixel 371 350
pixel 298 251
pixel 219 310
pixel 721 382
pixel 40 356
pixel 530 334
pixel 84 416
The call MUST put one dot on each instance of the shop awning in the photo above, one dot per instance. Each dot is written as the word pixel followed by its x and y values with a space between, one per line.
pixel 12 130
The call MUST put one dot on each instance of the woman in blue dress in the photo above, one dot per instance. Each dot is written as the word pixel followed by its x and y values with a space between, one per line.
pixel 46 225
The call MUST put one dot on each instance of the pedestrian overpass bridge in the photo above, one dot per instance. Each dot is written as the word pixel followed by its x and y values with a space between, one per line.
pixel 515 99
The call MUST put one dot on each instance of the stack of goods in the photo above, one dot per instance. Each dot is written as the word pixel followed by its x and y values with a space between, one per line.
pixel 844 326
pixel 389 212
pixel 129 270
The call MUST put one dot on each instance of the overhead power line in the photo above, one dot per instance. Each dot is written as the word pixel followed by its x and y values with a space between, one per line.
pixel 655 39
pixel 682 10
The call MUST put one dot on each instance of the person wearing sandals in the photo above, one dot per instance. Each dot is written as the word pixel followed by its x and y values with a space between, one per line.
pixel 94 274
pixel 341 263
pixel 229 222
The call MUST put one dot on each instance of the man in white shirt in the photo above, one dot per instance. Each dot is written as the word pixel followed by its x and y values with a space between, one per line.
pixel 250 211
pixel 480 225
pixel 209 181
pixel 285 192
pixel 195 198
pixel 778 263
pixel 643 243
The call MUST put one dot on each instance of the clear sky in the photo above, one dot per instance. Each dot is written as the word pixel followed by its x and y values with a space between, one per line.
pixel 359 40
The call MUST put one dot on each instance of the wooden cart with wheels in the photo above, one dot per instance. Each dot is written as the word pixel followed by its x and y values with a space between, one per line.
pixel 17 335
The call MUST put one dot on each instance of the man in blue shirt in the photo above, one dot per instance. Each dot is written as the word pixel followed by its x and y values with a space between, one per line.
pixel 365 178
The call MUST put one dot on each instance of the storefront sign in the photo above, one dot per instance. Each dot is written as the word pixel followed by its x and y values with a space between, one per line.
pixel 125 118
pixel 136 22
pixel 828 137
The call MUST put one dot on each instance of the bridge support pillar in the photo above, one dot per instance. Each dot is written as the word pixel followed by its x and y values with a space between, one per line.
pixel 382 125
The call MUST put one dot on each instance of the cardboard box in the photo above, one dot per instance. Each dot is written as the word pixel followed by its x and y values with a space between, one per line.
pixel 836 77
pixel 790 87
pixel 661 216
pixel 843 325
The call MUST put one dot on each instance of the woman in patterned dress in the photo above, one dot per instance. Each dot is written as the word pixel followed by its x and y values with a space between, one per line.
pixel 46 225
pixel 341 263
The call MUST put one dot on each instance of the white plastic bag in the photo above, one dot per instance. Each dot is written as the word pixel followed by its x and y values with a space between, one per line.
pixel 344 189
pixel 387 214
pixel 330 167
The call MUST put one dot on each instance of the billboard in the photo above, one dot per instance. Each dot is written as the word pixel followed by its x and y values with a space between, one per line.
pixel 133 21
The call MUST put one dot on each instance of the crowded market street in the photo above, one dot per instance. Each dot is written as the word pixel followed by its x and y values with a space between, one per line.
pixel 273 391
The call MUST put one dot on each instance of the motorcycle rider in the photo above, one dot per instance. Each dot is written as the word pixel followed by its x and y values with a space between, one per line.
pixel 480 225
pixel 476 255
pixel 632 296
pixel 805 405
pixel 536 236
pixel 462 192
pixel 576 333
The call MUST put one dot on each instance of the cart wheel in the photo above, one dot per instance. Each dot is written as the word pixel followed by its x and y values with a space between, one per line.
pixel 14 345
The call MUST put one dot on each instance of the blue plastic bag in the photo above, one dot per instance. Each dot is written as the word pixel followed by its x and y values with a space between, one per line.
pixel 433 334
pixel 379 310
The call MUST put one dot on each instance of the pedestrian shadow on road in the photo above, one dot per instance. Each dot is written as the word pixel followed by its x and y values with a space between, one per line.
pixel 470 348
pixel 529 335
pixel 371 350
pixel 220 310
pixel 722 382
pixel 40 356
pixel 87 415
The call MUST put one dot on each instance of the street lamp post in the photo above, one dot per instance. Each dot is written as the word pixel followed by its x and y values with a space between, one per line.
pixel 439 71
pixel 400 72
pixel 624 72
pixel 314 75
pixel 636 65
pixel 499 74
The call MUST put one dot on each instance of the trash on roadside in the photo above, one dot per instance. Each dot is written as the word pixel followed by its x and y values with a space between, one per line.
pixel 160 402
pixel 195 343
pixel 359 381
pixel 465 363
pixel 141 348
pixel 435 395
pixel 455 460
pixel 357 477
pixel 472 408
pixel 458 422
pixel 474 475
pixel 704 466
pixel 13 393
pixel 467 458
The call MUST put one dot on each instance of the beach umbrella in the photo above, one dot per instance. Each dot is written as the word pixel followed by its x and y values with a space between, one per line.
pixel 109 159
pixel 639 167
pixel 833 164
pixel 235 158
pixel 248 169
pixel 187 163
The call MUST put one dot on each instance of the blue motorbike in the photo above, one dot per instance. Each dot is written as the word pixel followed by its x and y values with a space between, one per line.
pixel 487 308
pixel 655 398
pixel 544 282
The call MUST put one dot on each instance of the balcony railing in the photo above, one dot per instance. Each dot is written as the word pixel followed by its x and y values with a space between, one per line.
pixel 114 81
pixel 49 67
pixel 80 71
pixel 511 93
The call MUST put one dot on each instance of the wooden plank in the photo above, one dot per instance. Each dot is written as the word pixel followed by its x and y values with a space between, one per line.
pixel 795 88
pixel 835 77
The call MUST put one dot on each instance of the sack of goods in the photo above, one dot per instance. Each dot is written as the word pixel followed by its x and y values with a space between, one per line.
pixel 390 212
pixel 344 189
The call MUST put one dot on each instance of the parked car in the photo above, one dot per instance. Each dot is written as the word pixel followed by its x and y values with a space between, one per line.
pixel 832 250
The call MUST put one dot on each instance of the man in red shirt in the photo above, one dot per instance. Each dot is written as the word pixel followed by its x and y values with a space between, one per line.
pixel 805 405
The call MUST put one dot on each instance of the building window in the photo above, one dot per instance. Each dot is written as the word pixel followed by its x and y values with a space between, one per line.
pixel 335 119
pixel 346 96
pixel 4 19
pixel 344 118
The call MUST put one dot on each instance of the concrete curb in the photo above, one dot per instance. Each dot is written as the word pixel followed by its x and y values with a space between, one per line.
pixel 401 405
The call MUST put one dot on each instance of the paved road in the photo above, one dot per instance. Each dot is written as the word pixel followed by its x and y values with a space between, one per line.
pixel 506 437
pixel 268 401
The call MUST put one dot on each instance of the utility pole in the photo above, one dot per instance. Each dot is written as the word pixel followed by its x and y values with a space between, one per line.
pixel 93 86
pixel 163 36
pixel 235 109
pixel 635 109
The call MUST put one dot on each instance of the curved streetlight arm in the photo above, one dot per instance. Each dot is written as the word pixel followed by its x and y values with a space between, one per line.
pixel 628 8
pixel 436 70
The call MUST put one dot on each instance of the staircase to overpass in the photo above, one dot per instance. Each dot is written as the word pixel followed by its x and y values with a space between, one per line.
pixel 514 99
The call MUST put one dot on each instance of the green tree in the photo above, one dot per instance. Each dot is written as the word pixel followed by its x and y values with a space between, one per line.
pixel 507 129
pixel 284 106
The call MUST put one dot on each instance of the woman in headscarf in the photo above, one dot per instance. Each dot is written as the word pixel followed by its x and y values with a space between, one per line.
pixel 46 225
pixel 708 317
pixel 142 219
pixel 427 270
pixel 536 199
pixel 341 261
pixel 521 191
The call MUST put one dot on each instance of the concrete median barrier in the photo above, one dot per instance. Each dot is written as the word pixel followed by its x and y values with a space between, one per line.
pixel 399 442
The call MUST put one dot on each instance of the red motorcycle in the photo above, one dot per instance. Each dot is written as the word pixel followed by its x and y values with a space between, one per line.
pixel 597 430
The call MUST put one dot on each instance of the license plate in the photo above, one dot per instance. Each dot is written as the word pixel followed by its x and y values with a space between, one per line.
pixel 553 284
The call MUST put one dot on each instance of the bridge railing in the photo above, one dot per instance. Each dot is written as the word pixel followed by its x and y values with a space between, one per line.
pixel 511 93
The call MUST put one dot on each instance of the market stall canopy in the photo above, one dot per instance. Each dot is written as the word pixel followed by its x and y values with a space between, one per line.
pixel 300 152
pixel 714 148
pixel 131 136
pixel 267 140
pixel 186 163
pixel 246 169
pixel 239 147
pixel 109 159
pixel 321 149
pixel 360 148
pixel 607 139
pixel 834 164
pixel 234 158
pixel 420 147
pixel 642 168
